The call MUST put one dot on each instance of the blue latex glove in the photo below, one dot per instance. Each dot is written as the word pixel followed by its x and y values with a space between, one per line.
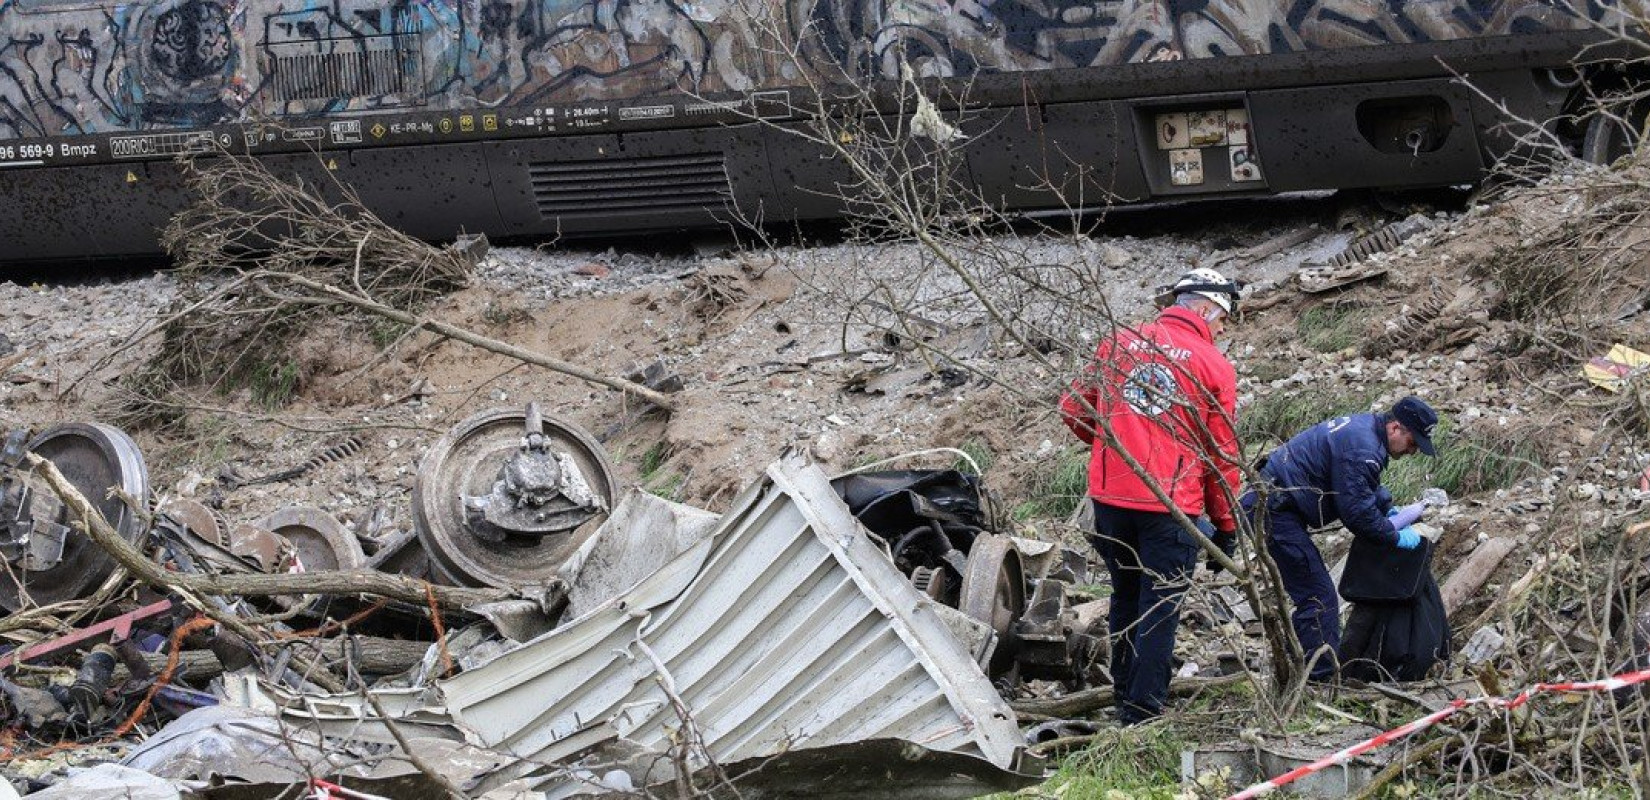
pixel 1405 516
pixel 1408 539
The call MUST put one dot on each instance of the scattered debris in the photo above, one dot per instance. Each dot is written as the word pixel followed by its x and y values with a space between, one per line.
pixel 1384 240
pixel 1613 370
pixel 776 628
pixel 784 629
pixel 1318 279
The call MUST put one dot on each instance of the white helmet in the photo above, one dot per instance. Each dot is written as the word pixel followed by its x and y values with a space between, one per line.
pixel 1208 283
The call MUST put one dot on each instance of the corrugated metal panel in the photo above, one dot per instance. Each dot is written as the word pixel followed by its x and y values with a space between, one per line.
pixel 787 628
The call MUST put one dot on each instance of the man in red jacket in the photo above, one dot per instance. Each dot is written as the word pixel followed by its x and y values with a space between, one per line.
pixel 1164 396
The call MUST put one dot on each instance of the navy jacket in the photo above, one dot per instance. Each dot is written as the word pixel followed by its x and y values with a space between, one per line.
pixel 1332 472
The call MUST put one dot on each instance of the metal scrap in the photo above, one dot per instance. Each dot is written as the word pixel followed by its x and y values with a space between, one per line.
pixel 785 629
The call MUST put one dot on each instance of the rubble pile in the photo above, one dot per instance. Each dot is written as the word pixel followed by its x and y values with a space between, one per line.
pixel 360 588
pixel 681 646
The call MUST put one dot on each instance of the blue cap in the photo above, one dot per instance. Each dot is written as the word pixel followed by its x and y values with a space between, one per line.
pixel 1419 418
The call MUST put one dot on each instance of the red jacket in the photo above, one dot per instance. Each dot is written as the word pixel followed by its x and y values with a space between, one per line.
pixel 1169 397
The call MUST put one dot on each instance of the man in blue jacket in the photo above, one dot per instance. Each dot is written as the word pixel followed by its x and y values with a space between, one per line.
pixel 1332 472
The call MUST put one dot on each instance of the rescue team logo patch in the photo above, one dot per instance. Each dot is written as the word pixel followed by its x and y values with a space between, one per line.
pixel 1151 390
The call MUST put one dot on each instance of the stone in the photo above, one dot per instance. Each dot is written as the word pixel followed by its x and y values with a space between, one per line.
pixel 1115 257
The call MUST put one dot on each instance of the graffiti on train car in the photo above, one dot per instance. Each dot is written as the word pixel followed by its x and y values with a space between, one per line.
pixel 71 67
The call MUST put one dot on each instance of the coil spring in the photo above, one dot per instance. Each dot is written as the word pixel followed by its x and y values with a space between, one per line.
pixel 349 446
pixel 1410 325
pixel 342 450
pixel 1384 240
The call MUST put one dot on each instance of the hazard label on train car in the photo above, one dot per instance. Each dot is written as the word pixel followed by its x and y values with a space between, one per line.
pixel 1244 166
pixel 1206 128
pixel 1186 167
pixel 1172 133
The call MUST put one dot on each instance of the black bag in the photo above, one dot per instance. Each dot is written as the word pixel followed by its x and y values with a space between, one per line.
pixel 1396 641
pixel 890 504
pixel 1377 572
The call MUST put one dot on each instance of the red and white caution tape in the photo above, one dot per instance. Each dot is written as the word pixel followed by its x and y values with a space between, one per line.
pixel 327 790
pixel 1343 756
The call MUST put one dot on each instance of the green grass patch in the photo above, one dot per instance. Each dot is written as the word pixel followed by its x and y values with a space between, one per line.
pixel 1140 763
pixel 273 383
pixel 668 484
pixel 1275 418
pixel 976 451
pixel 1468 463
pixel 1330 328
pixel 1221 698
pixel 384 332
pixel 1057 487
pixel 655 478
pixel 653 458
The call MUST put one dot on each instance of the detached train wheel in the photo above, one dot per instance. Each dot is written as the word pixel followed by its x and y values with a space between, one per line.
pixel 95 458
pixel 994 592
pixel 506 496
pixel 319 538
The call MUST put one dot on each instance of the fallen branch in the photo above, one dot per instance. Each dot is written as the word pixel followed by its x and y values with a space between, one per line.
pixel 372 654
pixel 1466 580
pixel 1088 700
pixel 331 582
pixel 1397 768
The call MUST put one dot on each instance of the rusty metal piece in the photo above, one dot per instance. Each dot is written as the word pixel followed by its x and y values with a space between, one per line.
pixel 319 538
pixel 269 552
pixel 1384 240
pixel 345 448
pixel 50 561
pixel 1042 636
pixel 1406 330
pixel 507 496
pixel 198 519
pixel 994 592
pixel 118 628
pixel 930 581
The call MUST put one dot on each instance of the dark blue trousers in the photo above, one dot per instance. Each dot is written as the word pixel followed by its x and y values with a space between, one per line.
pixel 1317 614
pixel 1150 558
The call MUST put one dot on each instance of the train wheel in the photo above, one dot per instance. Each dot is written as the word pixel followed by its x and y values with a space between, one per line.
pixel 320 539
pixel 994 592
pixel 506 496
pixel 55 561
pixel 1609 137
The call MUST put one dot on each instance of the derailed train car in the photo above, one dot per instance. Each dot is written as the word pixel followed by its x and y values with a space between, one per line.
pixel 535 117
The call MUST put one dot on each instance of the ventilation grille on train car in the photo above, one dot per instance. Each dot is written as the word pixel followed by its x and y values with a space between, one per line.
pixel 591 188
pixel 369 67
